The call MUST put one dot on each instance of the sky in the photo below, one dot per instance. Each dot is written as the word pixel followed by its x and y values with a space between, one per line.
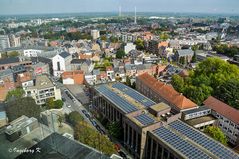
pixel 77 6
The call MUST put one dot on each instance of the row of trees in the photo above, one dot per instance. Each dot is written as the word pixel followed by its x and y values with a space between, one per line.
pixel 212 76
pixel 84 133
pixel 67 36
pixel 226 50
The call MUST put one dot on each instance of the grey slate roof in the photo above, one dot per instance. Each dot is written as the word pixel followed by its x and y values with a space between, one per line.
pixel 6 72
pixel 9 60
pixel 65 54
pixel 186 52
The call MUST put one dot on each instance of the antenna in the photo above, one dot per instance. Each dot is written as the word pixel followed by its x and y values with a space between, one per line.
pixel 135 15
pixel 119 11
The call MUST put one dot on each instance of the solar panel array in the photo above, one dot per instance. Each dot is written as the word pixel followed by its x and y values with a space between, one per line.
pixel 214 147
pixel 134 94
pixel 144 119
pixel 180 144
pixel 116 99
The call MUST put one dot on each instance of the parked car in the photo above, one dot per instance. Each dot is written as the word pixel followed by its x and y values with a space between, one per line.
pixel 94 122
pixel 122 154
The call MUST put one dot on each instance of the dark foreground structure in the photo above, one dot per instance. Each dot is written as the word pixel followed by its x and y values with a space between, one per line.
pixel 57 146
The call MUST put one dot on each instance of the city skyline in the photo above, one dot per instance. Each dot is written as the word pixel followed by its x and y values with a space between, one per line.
pixel 14 7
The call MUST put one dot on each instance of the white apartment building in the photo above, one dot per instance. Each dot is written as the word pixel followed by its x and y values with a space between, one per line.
pixel 95 34
pixel 4 42
pixel 128 47
pixel 61 62
pixel 228 118
pixel 31 52
pixel 14 41
pixel 42 90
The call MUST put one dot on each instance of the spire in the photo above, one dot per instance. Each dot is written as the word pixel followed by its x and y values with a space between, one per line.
pixel 135 15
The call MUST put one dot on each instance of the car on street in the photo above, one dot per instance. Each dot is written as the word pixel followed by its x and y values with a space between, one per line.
pixel 69 106
pixel 122 154
pixel 93 122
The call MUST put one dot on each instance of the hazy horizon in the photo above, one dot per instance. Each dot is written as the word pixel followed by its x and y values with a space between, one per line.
pixel 26 7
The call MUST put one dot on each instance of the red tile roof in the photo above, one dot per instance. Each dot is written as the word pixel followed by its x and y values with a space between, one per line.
pixel 223 109
pixel 167 92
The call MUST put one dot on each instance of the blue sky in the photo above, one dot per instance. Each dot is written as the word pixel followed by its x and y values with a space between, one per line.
pixel 75 6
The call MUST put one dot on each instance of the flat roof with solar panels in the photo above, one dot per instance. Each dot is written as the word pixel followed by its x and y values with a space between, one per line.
pixel 124 97
pixel 134 94
pixel 116 99
pixel 191 143
pixel 145 119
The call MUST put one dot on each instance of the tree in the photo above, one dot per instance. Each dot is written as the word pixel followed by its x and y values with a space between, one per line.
pixel 74 117
pixel 194 58
pixel 178 83
pixel 164 36
pixel 139 44
pixel 128 82
pixel 89 136
pixel 60 120
pixel 228 92
pixel 50 103
pixel 115 129
pixel 103 38
pixel 113 39
pixel 22 106
pixel 216 134
pixel 211 77
pixel 58 104
pixel 120 54
pixel 13 54
pixel 15 94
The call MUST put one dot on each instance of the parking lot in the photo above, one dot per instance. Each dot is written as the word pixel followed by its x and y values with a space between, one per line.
pixel 78 92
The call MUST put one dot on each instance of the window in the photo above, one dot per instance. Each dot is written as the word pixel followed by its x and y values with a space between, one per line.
pixel 58 66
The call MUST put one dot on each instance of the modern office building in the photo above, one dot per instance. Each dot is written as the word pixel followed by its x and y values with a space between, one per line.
pixel 161 92
pixel 228 118
pixel 136 113
pixel 4 42
pixel 178 140
pixel 20 127
pixel 42 90
pixel 153 130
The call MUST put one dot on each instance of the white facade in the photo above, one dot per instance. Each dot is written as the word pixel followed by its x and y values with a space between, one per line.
pixel 14 41
pixel 61 64
pixel 4 42
pixel 230 129
pixel 128 47
pixel 95 34
pixel 68 81
pixel 31 52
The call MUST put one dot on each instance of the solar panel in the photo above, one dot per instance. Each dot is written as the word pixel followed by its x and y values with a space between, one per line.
pixel 144 119
pixel 134 94
pixel 180 144
pixel 211 145
pixel 116 99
